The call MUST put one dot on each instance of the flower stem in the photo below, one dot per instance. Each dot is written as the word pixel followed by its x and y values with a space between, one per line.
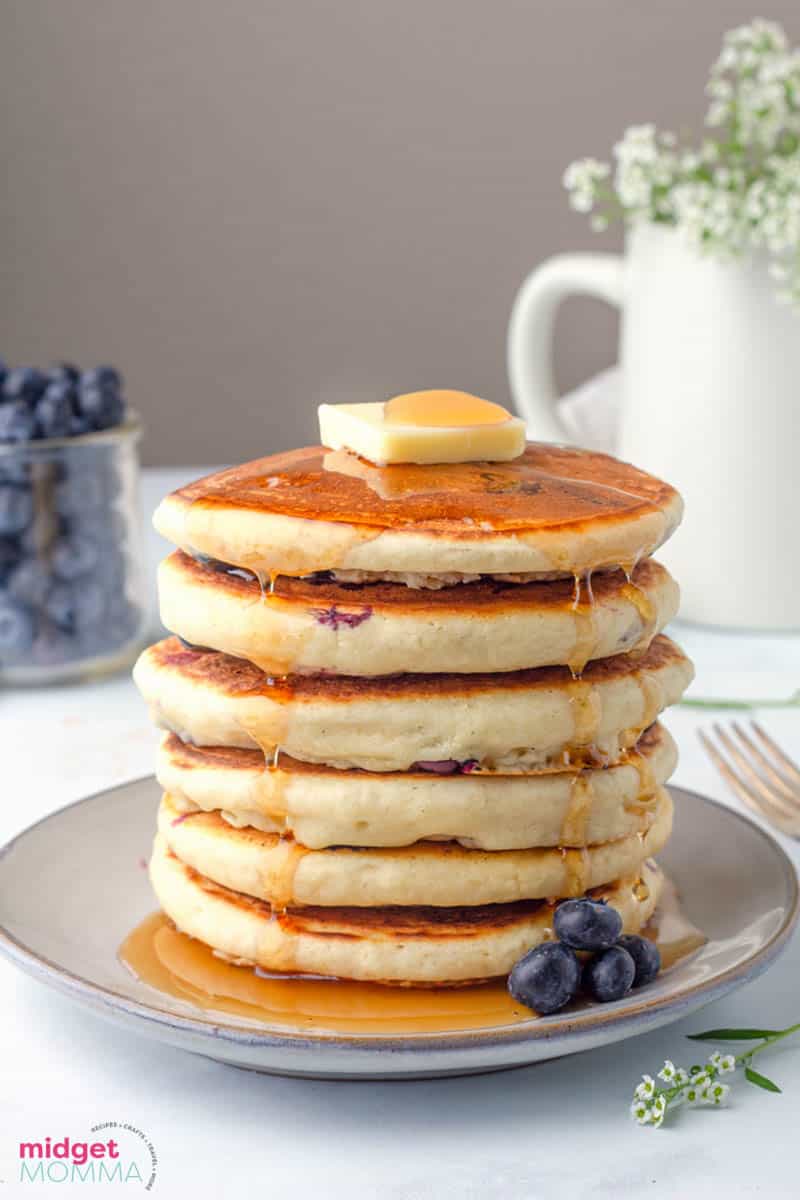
pixel 744 1059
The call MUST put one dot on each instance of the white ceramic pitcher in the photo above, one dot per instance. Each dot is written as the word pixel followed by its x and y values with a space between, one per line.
pixel 710 401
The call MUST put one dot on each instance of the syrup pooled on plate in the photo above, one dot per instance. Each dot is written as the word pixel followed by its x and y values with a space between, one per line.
pixel 187 970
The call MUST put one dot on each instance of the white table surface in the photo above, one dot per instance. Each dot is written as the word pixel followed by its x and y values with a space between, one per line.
pixel 560 1129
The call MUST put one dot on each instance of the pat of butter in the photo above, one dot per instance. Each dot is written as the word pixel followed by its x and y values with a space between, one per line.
pixel 424 428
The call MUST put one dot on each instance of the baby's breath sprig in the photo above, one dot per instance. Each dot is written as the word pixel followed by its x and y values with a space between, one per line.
pixel 738 190
pixel 701 1084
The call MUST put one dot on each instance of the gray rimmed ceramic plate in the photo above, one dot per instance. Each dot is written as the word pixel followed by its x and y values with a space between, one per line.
pixel 72 887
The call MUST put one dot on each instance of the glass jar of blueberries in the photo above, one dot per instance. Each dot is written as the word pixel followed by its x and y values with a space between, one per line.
pixel 71 580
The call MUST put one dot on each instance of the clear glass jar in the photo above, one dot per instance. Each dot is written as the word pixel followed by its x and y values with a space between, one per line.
pixel 72 587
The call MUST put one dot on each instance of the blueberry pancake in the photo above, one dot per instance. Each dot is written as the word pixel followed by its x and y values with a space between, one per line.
pixel 555 511
pixel 321 806
pixel 429 946
pixel 283 872
pixel 519 720
pixel 385 628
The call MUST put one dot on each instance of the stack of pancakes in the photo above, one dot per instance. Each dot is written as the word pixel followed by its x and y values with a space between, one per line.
pixel 410 708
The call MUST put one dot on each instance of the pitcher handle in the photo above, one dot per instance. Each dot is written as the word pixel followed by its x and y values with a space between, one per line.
pixel 530 330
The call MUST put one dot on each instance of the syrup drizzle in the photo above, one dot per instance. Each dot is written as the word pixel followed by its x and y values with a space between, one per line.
pixel 576 817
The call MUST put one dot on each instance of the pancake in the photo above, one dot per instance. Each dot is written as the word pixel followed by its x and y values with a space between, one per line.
pixel 555 511
pixel 282 872
pixel 321 806
pixel 385 628
pixel 507 721
pixel 398 946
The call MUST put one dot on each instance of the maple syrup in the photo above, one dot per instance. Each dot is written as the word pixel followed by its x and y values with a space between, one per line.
pixel 446 408
pixel 187 970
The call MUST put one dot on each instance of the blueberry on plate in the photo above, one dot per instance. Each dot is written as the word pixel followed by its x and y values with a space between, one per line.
pixel 72 557
pixel 546 978
pixel 609 975
pixel 646 957
pixel 24 383
pixel 17 421
pixel 587 924
pixel 17 629
pixel 16 509
pixel 54 410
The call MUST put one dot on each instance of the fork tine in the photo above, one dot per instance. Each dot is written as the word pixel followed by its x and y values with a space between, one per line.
pixel 789 764
pixel 792 795
pixel 746 768
pixel 754 802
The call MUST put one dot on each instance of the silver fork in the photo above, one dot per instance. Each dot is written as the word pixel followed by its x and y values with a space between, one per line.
pixel 761 774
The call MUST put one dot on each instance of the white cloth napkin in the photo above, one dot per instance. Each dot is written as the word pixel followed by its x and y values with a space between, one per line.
pixel 590 412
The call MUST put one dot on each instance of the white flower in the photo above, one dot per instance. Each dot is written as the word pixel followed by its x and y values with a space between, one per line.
pixel 646 1088
pixel 715 1059
pixel 692 1095
pixel 581 179
pixel 657 1111
pixel 667 1072
pixel 681 1076
pixel 641 1112
pixel 726 1064
pixel 718 1093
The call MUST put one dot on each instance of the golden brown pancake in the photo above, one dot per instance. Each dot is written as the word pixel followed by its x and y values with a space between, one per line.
pixel 321 806
pixel 283 872
pixel 554 510
pixel 419 945
pixel 385 628
pixel 508 720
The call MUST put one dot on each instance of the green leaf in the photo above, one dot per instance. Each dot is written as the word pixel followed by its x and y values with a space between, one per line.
pixel 732 1035
pixel 760 1080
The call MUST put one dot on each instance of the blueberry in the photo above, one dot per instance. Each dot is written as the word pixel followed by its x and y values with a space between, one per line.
pixel 17 421
pixel 107 378
pixel 609 975
pixel 76 607
pixel 30 582
pixel 80 492
pixel 100 406
pixel 17 629
pixel 24 383
pixel 63 372
pixel 646 957
pixel 79 424
pixel 16 509
pixel 587 924
pixel 546 978
pixel 54 411
pixel 53 647
pixel 10 556
pixel 73 557
pixel 14 468
pixel 105 526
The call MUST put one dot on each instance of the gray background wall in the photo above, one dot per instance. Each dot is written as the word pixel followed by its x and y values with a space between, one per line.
pixel 253 206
